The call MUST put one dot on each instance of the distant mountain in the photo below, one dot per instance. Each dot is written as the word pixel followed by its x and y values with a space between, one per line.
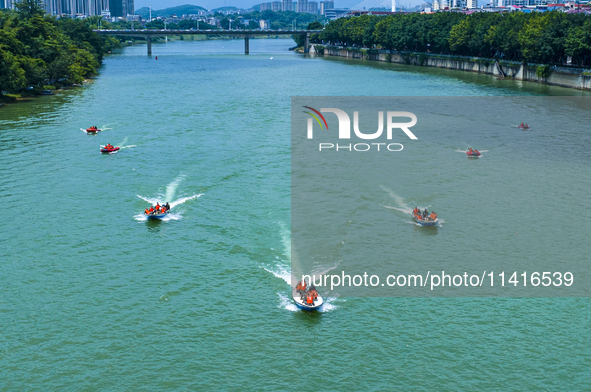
pixel 226 9
pixel 187 9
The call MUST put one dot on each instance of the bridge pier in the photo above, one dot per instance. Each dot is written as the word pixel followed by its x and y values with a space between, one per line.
pixel 307 43
pixel 149 45
pixel 246 45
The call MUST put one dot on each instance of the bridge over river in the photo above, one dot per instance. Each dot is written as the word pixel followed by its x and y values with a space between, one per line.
pixel 246 34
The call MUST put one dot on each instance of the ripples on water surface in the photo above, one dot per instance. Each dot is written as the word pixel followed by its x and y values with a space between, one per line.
pixel 91 298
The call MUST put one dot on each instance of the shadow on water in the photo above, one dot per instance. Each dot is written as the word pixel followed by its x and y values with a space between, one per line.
pixel 154 225
pixel 312 318
pixel 427 230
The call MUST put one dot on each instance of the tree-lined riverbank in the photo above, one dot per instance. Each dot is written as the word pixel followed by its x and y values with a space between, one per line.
pixel 547 38
pixel 38 51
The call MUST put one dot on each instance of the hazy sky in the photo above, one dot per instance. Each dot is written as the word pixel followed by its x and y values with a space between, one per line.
pixel 209 4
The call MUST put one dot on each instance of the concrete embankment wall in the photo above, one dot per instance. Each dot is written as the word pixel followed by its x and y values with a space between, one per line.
pixel 559 77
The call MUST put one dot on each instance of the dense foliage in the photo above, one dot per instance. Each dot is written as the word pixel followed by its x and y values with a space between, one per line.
pixel 299 39
pixel 535 37
pixel 37 49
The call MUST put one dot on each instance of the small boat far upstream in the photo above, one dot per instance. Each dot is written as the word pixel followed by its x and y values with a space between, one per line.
pixel 306 296
pixel 523 126
pixel 424 218
pixel 109 149
pixel 92 130
pixel 473 153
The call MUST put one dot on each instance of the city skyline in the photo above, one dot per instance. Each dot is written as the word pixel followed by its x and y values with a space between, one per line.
pixel 246 4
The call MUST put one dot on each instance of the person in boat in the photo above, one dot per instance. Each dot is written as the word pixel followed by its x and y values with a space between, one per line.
pixel 476 151
pixel 147 211
pixel 470 150
pixel 167 206
pixel 158 207
pixel 425 213
pixel 313 293
pixel 416 211
pixel 433 215
pixel 301 285
pixel 310 300
pixel 521 125
pixel 526 126
pixel 151 210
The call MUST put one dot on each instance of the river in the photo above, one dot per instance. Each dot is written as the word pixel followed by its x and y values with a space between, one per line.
pixel 93 297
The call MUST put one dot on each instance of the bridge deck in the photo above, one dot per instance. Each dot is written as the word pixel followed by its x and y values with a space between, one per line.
pixel 232 33
pixel 246 34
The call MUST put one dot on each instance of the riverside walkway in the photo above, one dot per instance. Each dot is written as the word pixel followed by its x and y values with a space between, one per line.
pixel 246 34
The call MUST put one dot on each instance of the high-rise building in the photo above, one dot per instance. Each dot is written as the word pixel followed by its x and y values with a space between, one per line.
pixel 287 5
pixel 121 8
pixel 313 7
pixel 325 5
pixel 472 4
pixel 276 6
pixel 302 5
pixel 53 7
pixel 98 6
pixel 78 7
pixel 265 6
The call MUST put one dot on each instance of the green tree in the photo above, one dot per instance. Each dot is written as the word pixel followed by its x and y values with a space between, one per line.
pixel 30 8
pixel 12 76
pixel 578 42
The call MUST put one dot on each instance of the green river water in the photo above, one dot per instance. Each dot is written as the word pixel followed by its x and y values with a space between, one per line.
pixel 93 297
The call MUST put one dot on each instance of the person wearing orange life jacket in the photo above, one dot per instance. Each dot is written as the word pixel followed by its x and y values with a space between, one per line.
pixel 147 211
pixel 313 293
pixel 157 207
pixel 416 210
pixel 433 215
pixel 151 209
pixel 310 300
